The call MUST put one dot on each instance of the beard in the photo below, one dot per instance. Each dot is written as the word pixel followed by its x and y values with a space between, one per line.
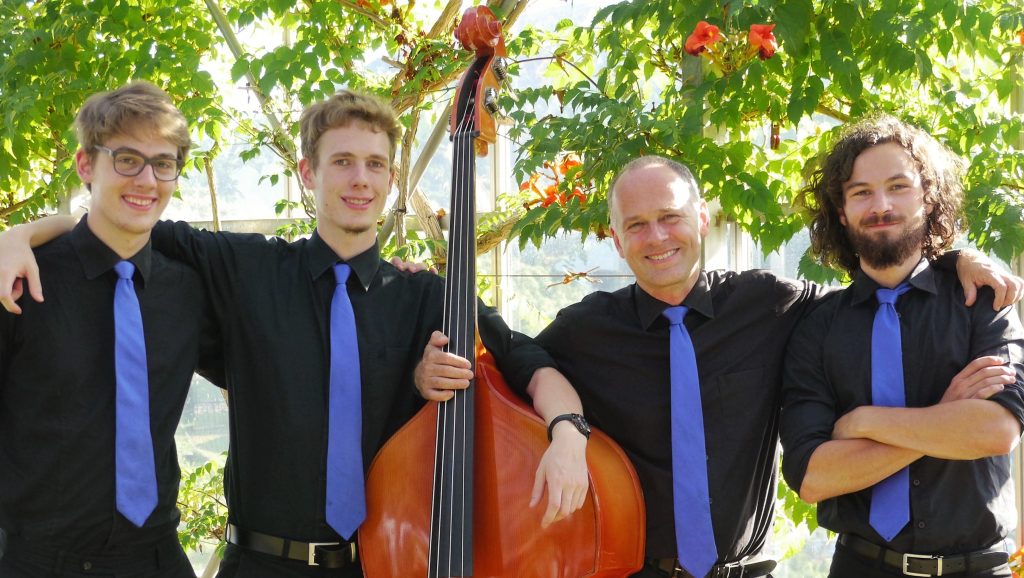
pixel 889 249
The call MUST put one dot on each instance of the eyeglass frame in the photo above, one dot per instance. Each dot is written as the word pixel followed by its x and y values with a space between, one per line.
pixel 146 161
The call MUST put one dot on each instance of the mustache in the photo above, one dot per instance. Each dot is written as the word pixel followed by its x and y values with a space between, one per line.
pixel 883 219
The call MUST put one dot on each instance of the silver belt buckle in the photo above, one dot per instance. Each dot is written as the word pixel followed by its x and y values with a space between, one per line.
pixel 312 550
pixel 906 564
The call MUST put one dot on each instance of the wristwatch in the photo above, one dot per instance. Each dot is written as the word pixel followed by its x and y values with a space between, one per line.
pixel 576 419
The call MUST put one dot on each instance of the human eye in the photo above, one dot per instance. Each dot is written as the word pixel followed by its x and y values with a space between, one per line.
pixel 165 164
pixel 128 161
pixel 376 164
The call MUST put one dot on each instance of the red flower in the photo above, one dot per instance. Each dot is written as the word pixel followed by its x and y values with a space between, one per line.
pixel 704 35
pixel 551 196
pixel 567 163
pixel 579 195
pixel 761 37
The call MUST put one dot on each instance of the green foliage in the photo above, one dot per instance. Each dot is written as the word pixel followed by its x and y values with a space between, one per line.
pixel 204 514
pixel 633 90
pixel 56 53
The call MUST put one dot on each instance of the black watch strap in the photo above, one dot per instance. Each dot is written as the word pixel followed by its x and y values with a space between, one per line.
pixel 577 420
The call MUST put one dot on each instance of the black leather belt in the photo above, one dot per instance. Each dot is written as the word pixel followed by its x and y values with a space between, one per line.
pixel 324 554
pixel 671 568
pixel 924 564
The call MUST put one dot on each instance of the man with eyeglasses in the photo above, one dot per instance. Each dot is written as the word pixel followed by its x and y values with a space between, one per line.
pixel 93 380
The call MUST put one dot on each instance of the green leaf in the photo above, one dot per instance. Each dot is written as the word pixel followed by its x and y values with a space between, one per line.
pixel 794 24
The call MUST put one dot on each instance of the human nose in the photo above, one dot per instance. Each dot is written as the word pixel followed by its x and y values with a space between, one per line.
pixel 147 176
pixel 359 174
pixel 881 203
pixel 657 233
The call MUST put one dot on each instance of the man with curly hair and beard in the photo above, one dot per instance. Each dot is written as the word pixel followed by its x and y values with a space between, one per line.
pixel 912 471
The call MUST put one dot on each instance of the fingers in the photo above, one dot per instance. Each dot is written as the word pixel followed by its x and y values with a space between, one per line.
pixel 563 472
pixel 35 287
pixel 988 391
pixel 407 266
pixel 538 488
pixel 980 379
pixel 12 285
pixel 438 339
pixel 1000 290
pixel 970 292
pixel 562 504
pixel 9 299
pixel 1014 290
pixel 440 372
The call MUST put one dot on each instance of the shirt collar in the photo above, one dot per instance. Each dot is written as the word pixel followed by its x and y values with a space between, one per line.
pixel 97 258
pixel 649 309
pixel 320 258
pixel 922 277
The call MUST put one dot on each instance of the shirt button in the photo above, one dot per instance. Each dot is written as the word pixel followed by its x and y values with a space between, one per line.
pixel 921 525
pixel 917 482
pixel 86 565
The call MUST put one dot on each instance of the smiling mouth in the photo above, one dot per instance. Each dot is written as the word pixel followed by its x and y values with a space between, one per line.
pixel 663 256
pixel 359 202
pixel 882 221
pixel 141 202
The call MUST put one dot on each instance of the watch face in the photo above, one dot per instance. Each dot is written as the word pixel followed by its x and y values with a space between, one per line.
pixel 581 424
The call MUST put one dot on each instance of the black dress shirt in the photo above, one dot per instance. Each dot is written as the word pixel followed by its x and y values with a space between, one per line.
pixel 614 348
pixel 272 301
pixel 956 506
pixel 57 394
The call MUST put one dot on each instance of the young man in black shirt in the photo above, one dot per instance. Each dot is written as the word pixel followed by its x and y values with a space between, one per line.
pixel 910 469
pixel 82 491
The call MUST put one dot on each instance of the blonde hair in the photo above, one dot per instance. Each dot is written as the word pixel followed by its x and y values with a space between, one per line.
pixel 341 110
pixel 137 108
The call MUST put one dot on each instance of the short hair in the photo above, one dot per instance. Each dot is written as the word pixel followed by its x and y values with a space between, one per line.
pixel 650 161
pixel 137 108
pixel 941 174
pixel 341 110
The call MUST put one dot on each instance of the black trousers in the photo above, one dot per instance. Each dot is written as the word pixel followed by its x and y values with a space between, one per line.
pixel 849 564
pixel 241 563
pixel 163 560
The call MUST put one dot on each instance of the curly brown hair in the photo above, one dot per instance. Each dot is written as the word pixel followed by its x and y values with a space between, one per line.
pixel 941 174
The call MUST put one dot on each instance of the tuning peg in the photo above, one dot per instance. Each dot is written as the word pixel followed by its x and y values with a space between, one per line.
pixel 500 69
pixel 491 100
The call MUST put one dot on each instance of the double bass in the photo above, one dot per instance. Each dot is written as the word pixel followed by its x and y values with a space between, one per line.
pixel 466 511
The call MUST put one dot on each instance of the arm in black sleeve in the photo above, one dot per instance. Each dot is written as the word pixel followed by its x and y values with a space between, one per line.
pixel 808 402
pixel 517 355
pixel 1000 333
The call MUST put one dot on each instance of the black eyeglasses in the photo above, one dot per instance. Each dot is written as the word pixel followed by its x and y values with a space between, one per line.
pixel 130 162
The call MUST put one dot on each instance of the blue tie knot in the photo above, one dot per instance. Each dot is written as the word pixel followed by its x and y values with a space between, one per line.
pixel 125 269
pixel 341 272
pixel 891 295
pixel 675 314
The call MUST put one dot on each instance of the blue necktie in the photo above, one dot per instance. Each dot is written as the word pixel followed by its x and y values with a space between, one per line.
pixel 346 501
pixel 890 498
pixel 133 442
pixel 695 537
